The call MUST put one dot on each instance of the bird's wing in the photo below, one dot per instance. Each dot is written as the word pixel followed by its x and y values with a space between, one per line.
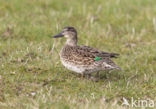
pixel 80 55
pixel 98 53
pixel 90 56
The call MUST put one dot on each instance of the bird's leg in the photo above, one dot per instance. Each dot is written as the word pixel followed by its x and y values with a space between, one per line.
pixel 98 74
pixel 82 75
pixel 107 74
pixel 88 76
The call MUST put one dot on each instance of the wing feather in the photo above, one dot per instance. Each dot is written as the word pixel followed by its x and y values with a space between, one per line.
pixel 98 53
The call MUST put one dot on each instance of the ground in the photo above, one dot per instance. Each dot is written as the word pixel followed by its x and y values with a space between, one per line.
pixel 31 74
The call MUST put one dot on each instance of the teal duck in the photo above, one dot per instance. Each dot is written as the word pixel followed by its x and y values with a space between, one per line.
pixel 84 59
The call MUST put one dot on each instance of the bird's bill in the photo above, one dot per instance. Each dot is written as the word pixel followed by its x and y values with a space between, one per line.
pixel 58 35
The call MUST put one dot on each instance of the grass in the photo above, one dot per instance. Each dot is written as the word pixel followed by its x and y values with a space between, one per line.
pixel 31 74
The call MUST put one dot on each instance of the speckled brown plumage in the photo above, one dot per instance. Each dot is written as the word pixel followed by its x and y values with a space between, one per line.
pixel 81 59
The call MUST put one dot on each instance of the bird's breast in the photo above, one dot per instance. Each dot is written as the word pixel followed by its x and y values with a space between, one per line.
pixel 71 66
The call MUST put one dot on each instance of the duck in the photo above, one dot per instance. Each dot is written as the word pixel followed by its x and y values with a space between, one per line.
pixel 82 59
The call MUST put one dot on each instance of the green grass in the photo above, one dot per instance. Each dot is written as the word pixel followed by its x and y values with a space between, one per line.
pixel 31 74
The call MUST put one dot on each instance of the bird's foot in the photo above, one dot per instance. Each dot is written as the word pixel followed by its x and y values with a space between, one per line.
pixel 94 79
pixel 89 77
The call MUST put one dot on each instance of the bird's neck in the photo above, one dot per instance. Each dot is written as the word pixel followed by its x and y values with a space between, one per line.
pixel 71 42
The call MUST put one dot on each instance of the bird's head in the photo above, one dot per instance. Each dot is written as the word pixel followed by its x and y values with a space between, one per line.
pixel 69 33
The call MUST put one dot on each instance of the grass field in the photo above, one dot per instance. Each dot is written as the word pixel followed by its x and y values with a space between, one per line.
pixel 31 74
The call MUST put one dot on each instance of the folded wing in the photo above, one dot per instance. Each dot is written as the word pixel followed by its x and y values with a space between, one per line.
pixel 98 53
